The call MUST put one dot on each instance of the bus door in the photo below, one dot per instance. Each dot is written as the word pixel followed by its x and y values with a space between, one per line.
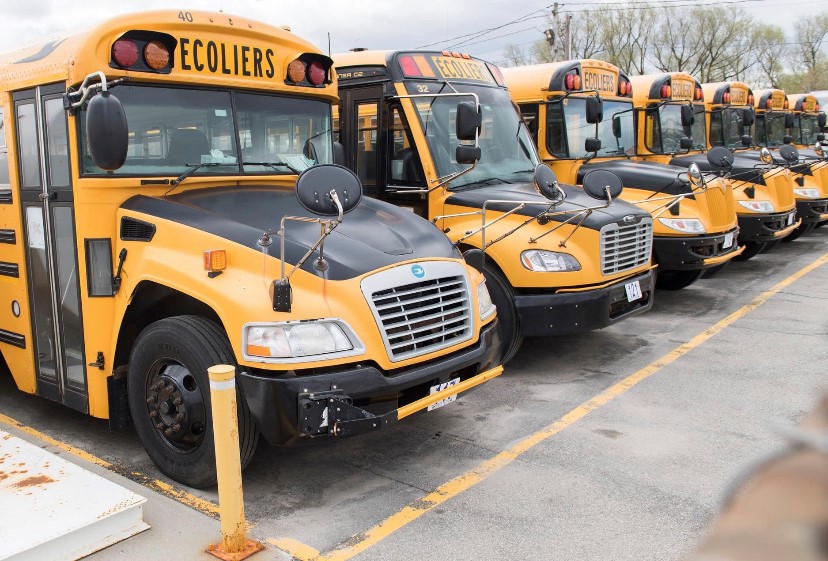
pixel 49 233
pixel 380 149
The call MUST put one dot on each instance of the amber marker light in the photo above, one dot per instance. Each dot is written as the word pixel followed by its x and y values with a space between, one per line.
pixel 215 261
pixel 296 71
pixel 156 55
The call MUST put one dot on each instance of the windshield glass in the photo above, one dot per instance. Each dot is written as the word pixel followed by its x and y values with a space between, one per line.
pixel 805 129
pixel 770 128
pixel 567 128
pixel 173 129
pixel 664 130
pixel 508 154
pixel 727 127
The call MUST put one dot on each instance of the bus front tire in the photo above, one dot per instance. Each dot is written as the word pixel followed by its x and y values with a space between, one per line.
pixel 676 280
pixel 503 297
pixel 800 230
pixel 752 249
pixel 169 398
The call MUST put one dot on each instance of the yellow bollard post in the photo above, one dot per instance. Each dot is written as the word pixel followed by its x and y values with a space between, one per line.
pixel 234 545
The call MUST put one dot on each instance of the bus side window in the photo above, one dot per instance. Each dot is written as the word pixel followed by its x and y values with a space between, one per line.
pixel 717 134
pixel 652 130
pixel 404 168
pixel 556 130
pixel 529 112
pixel 4 155
pixel 57 145
pixel 335 123
pixel 366 150
pixel 28 153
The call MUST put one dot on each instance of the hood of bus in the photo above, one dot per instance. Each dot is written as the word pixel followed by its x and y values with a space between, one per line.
pixel 647 176
pixel 576 201
pixel 372 236
pixel 744 168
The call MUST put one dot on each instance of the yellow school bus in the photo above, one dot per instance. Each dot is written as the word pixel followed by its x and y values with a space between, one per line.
pixel 694 227
pixel 808 136
pixel 168 204
pixel 554 265
pixel 775 122
pixel 763 191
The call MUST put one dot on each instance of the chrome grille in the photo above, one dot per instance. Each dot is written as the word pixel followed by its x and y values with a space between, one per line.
pixel 420 317
pixel 625 247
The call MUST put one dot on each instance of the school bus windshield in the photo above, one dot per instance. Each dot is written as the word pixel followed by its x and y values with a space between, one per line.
pixel 727 127
pixel 507 150
pixel 770 128
pixel 567 128
pixel 173 129
pixel 806 129
pixel 664 129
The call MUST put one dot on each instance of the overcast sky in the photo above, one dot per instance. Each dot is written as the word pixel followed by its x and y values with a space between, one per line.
pixel 379 24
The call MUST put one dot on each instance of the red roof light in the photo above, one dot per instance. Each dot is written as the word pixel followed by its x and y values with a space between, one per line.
pixel 125 52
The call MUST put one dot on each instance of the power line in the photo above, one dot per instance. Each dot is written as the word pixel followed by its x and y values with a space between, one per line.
pixel 489 30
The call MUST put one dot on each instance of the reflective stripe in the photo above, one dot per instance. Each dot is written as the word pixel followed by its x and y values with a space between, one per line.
pixel 224 385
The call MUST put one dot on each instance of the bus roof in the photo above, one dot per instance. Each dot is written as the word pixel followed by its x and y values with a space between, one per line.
pixel 650 87
pixel 240 51
pixel 807 103
pixel 739 93
pixel 772 98
pixel 537 81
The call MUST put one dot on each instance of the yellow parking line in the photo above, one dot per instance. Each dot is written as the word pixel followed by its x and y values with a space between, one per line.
pixel 364 540
pixel 202 505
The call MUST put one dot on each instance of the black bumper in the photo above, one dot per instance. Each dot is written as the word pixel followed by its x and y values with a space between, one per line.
pixel 812 210
pixel 693 253
pixel 543 315
pixel 274 399
pixel 763 227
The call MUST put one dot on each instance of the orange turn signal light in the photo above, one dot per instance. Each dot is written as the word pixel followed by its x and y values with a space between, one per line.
pixel 215 260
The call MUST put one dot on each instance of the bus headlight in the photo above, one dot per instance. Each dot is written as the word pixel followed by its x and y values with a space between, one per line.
pixel 549 261
pixel 485 306
pixel 757 206
pixel 686 225
pixel 807 193
pixel 288 341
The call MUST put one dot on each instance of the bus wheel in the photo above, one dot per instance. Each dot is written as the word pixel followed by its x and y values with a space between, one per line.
pixel 770 245
pixel 752 249
pixel 503 297
pixel 676 280
pixel 713 271
pixel 169 397
pixel 801 229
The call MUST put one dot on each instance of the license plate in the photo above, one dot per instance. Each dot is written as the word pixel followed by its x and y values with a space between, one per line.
pixel 440 387
pixel 728 241
pixel 791 218
pixel 633 291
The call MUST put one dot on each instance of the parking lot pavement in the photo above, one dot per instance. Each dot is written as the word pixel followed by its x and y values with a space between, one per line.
pixel 635 474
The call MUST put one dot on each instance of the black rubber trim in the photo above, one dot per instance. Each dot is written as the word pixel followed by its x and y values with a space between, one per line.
pixel 8 236
pixel 9 269
pixel 5 197
pixel 12 338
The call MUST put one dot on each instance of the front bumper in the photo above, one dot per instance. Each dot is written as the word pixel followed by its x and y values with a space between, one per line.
pixel 812 210
pixel 766 227
pixel 693 253
pixel 356 398
pixel 576 310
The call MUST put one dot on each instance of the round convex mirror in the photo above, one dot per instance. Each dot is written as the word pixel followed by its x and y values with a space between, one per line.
pixel 546 182
pixel 694 175
pixel 599 182
pixel 720 158
pixel 789 153
pixel 313 187
pixel 818 150
pixel 765 155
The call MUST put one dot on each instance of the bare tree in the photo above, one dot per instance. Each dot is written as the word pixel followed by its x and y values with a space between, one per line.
pixel 768 45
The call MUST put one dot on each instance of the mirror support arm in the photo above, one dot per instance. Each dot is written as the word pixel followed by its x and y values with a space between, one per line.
pixel 87 90
pixel 326 227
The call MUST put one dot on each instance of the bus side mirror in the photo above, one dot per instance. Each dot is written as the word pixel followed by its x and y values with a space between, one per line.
pixel 822 120
pixel 546 183
pixel 467 154
pixel 746 140
pixel 467 121
pixel 820 137
pixel 788 120
pixel 106 129
pixel 686 143
pixel 787 139
pixel 720 158
pixel 315 184
pixel 338 153
pixel 616 126
pixel 602 185
pixel 592 144
pixel 594 110
pixel 748 117
pixel 688 117
pixel 789 153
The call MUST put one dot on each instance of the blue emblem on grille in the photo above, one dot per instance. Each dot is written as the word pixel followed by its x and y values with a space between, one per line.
pixel 418 271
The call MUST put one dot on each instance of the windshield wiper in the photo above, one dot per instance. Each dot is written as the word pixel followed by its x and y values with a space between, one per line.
pixel 194 168
pixel 273 165
pixel 481 182
pixel 525 171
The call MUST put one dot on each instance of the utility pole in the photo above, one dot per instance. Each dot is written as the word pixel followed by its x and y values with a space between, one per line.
pixel 550 36
pixel 561 31
pixel 568 36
